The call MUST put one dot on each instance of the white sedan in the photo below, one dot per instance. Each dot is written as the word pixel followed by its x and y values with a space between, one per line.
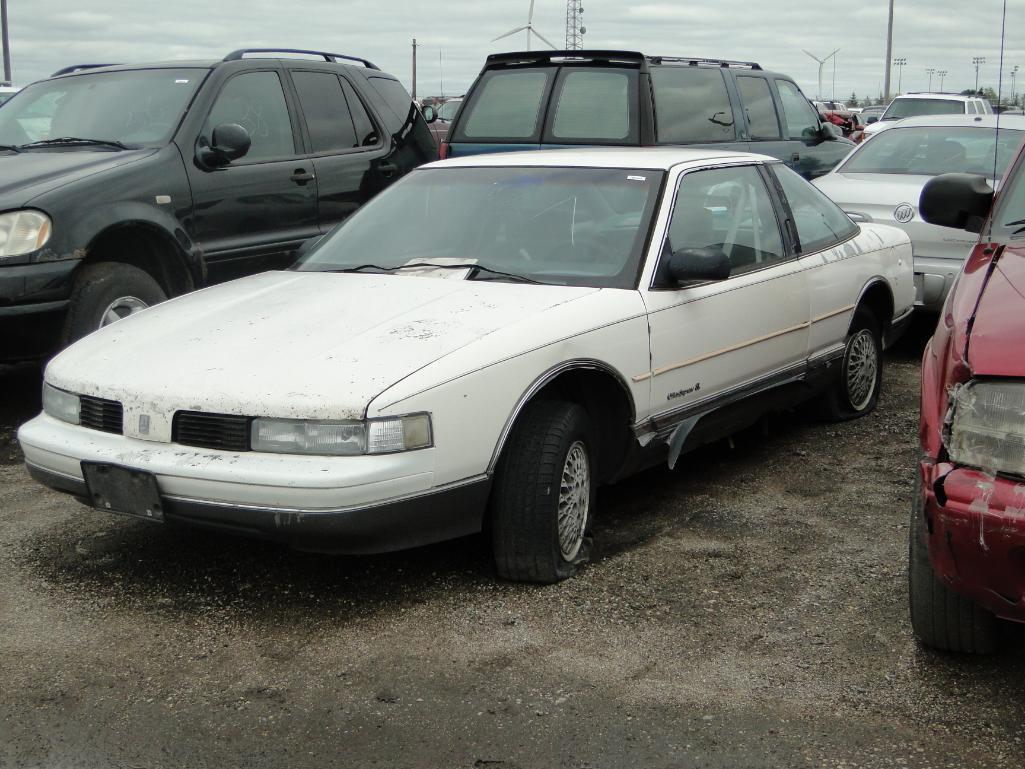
pixel 882 180
pixel 587 314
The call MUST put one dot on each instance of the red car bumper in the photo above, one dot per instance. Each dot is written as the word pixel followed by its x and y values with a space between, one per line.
pixel 976 533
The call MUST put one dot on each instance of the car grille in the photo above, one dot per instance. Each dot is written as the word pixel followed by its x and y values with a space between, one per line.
pixel 211 431
pixel 100 414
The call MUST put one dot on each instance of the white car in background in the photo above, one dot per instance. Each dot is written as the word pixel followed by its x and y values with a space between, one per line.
pixel 578 315
pixel 923 104
pixel 7 91
pixel 881 181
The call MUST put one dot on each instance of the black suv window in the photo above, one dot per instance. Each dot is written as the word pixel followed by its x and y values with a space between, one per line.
pixel 508 105
pixel 692 105
pixel 394 95
pixel 326 111
pixel 820 222
pixel 594 104
pixel 256 102
pixel 366 133
pixel 762 120
pixel 801 118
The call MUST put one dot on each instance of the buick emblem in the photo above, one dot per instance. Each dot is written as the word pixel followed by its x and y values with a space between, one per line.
pixel 904 213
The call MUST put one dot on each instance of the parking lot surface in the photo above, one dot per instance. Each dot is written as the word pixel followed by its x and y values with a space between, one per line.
pixel 747 610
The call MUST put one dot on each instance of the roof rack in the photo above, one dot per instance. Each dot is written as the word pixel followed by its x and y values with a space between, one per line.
pixel 332 57
pixel 698 61
pixel 79 68
pixel 523 57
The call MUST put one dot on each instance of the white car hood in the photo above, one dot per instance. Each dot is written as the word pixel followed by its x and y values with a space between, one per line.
pixel 289 344
pixel 877 198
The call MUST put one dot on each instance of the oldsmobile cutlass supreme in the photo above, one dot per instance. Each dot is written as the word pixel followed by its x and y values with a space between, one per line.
pixel 573 317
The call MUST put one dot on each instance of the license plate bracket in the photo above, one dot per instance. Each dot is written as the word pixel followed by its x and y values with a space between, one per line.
pixel 124 490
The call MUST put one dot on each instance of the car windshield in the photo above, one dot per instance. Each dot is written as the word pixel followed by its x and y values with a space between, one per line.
pixel 448 110
pixel 902 108
pixel 1009 218
pixel 135 107
pixel 564 226
pixel 928 151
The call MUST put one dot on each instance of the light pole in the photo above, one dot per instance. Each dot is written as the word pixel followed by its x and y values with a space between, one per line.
pixel 1014 94
pixel 977 60
pixel 930 72
pixel 889 53
pixel 941 74
pixel 822 63
pixel 6 42
pixel 415 44
pixel 900 63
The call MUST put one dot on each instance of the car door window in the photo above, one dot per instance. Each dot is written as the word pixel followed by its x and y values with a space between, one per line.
pixel 594 105
pixel 762 120
pixel 819 221
pixel 366 132
pixel 256 101
pixel 691 105
pixel 728 210
pixel 800 117
pixel 326 111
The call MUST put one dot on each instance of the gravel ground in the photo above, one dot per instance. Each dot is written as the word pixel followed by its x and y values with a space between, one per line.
pixel 747 610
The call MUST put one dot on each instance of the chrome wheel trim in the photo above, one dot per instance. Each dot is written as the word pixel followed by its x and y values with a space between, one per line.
pixel 574 500
pixel 862 369
pixel 120 308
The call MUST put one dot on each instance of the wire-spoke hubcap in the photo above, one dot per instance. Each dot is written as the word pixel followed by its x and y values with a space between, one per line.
pixel 862 369
pixel 574 500
pixel 120 308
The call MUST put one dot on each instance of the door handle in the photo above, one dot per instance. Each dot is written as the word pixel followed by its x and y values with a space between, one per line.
pixel 302 176
pixel 387 169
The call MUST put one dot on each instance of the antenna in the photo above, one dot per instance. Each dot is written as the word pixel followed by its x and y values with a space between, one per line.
pixel 529 28
pixel 575 30
pixel 822 63
pixel 1000 90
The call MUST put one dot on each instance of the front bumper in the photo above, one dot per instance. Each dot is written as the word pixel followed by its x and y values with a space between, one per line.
pixel 33 303
pixel 933 279
pixel 365 504
pixel 976 535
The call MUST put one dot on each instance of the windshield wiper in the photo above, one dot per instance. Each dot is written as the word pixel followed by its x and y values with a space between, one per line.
pixel 475 269
pixel 73 140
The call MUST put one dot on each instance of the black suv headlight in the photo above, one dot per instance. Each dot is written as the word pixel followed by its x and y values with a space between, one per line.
pixel 22 232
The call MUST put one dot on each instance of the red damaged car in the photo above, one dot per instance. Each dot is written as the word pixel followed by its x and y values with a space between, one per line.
pixel 967 538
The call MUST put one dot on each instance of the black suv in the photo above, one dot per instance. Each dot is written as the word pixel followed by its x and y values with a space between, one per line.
pixel 121 186
pixel 547 99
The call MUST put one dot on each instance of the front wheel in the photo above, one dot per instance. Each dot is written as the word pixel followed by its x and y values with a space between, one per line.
pixel 106 292
pixel 856 390
pixel 543 497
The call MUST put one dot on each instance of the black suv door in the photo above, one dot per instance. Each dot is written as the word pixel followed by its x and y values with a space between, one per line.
pixel 253 213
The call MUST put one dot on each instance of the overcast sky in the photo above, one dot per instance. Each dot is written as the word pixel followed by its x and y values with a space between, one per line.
pixel 942 34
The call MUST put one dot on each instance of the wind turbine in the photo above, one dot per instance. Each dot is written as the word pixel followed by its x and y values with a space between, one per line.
pixel 822 63
pixel 529 27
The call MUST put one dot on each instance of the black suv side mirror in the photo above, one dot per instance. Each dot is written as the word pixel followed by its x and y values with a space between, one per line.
pixel 703 264
pixel 229 142
pixel 961 201
pixel 430 115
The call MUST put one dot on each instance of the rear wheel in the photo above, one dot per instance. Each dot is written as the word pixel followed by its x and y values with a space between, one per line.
pixel 543 496
pixel 856 390
pixel 106 292
pixel 941 618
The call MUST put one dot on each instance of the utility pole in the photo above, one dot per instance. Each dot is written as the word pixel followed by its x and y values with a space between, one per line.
pixel 930 71
pixel 1014 93
pixel 900 63
pixel 6 44
pixel 977 60
pixel 441 74
pixel 941 74
pixel 889 54
pixel 414 68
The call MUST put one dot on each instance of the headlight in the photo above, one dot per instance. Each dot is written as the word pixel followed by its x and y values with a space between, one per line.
pixel 22 232
pixel 341 438
pixel 988 426
pixel 61 405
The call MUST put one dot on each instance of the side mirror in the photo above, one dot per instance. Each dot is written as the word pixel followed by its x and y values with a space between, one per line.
pixel 430 114
pixel 871 119
pixel 229 142
pixel 961 201
pixel 699 264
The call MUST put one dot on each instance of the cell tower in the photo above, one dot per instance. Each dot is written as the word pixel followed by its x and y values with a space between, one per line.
pixel 575 31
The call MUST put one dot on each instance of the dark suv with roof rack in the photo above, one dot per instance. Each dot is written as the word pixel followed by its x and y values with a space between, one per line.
pixel 126 185
pixel 547 99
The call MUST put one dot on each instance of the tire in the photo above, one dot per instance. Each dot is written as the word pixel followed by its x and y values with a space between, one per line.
pixel 856 389
pixel 551 444
pixel 941 618
pixel 104 290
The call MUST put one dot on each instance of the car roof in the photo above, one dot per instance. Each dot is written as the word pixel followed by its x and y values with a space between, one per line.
pixel 938 95
pixel 1015 122
pixel 648 158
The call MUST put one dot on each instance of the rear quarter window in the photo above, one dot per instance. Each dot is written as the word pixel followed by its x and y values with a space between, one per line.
pixel 506 106
pixel 395 96
pixel 691 106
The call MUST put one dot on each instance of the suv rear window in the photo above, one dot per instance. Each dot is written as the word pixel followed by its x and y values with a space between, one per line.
pixel 507 106
pixel 594 104
pixel 691 105
pixel 901 108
